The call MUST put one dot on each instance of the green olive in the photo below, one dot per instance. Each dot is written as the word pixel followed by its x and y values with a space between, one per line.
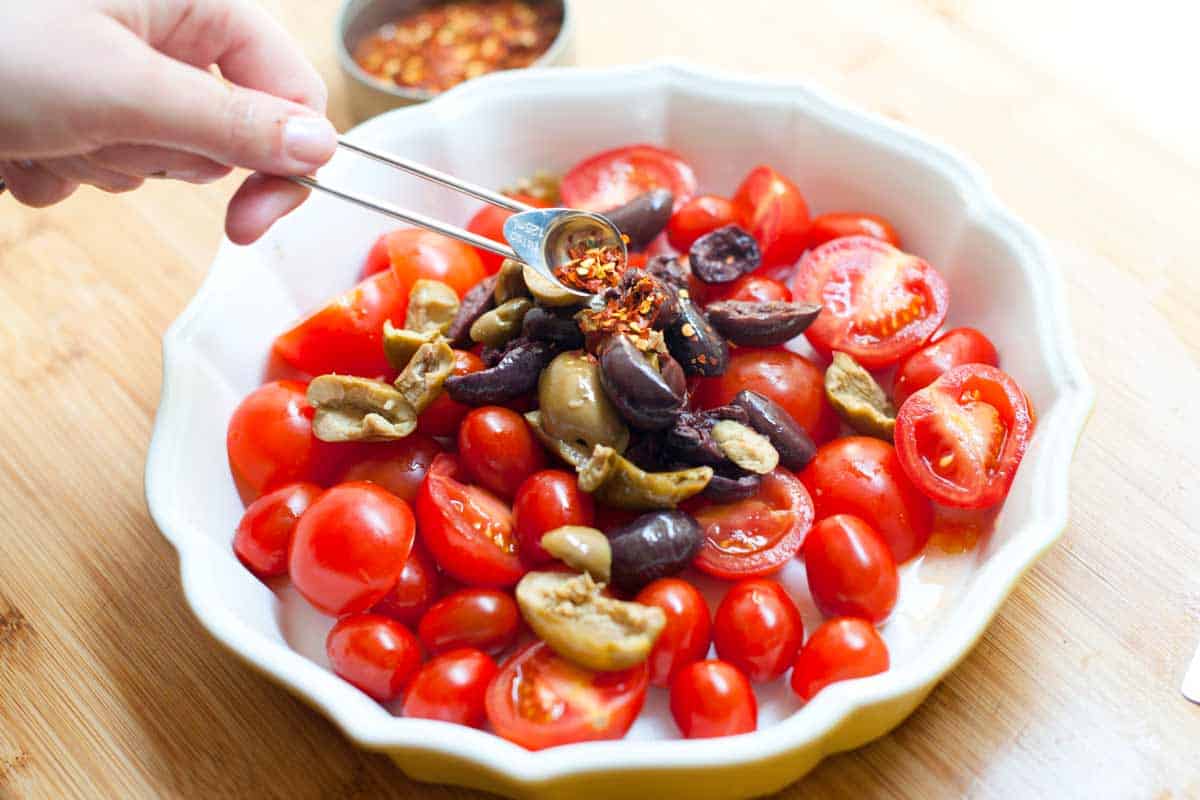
pixel 858 398
pixel 432 306
pixel 574 406
pixel 502 323
pixel 510 281
pixel 570 453
pixel 399 344
pixel 618 482
pixel 547 292
pixel 421 381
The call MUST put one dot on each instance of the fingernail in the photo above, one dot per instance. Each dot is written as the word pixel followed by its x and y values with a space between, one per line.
pixel 310 140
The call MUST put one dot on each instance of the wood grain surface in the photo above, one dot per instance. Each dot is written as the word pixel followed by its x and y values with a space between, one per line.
pixel 109 688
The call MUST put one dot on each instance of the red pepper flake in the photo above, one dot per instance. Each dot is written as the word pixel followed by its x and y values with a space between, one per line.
pixel 592 270
pixel 631 314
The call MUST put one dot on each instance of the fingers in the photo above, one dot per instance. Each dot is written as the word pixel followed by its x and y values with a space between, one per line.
pixel 33 185
pixel 148 161
pixel 258 204
pixel 78 169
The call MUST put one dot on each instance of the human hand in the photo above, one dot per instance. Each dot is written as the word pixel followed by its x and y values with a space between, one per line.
pixel 110 92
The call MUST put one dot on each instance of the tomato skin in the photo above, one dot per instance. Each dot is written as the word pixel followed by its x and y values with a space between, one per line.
pixel 537 700
pixel 941 430
pixel 350 547
pixel 270 441
pixel 377 259
pixel 415 591
pixel 773 209
pixel 851 572
pixel 376 654
pixel 788 378
pixel 489 222
pixel 841 649
pixel 713 698
pixel 346 336
pixel 862 476
pixel 265 532
pixel 444 414
pixel 498 449
pixel 688 632
pixel 547 500
pixel 415 253
pixel 837 224
pixel 880 303
pixel 953 348
pixel 758 629
pixel 397 466
pixel 485 619
pixel 614 177
pixel 752 288
pixel 698 216
pixel 452 688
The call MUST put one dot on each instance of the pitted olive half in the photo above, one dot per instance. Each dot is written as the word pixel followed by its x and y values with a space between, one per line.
pixel 574 407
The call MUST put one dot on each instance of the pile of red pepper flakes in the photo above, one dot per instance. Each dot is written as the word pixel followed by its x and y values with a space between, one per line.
pixel 632 313
pixel 442 46
pixel 592 270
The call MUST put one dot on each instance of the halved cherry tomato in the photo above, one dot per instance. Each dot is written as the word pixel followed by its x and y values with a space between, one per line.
pixel 466 529
pixel 415 591
pixel 350 547
pixel 688 632
pixel 444 414
pixel 541 700
pixel 961 438
pixel 698 216
pixel 756 536
pixel 862 476
pixel 772 208
pixel 547 500
pixel 397 466
pixel 851 572
pixel 752 288
pixel 788 378
pixel 452 687
pixel 880 303
pixel 376 654
pixel 834 225
pixel 713 698
pixel 265 532
pixel 841 649
pixel 489 222
pixel 485 619
pixel 497 448
pixel 758 629
pixel 614 177
pixel 952 348
pixel 346 336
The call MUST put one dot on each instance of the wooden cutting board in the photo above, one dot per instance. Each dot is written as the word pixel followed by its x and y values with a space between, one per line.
pixel 109 688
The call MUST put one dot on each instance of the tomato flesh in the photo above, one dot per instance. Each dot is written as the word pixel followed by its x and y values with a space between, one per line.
pixel 713 698
pixel 951 349
pixel 773 209
pixel 758 629
pixel 841 649
pixel 614 177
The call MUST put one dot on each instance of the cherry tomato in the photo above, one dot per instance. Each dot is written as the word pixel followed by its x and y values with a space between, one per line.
pixel 377 259
pixel 614 177
pixel 489 222
pixel 880 303
pixel 851 572
pixel 862 476
pixel 788 378
pixel 541 700
pixel 547 500
pixel 758 535
pixel 713 698
pixel 346 336
pixel 270 441
pixel 265 532
pixel 962 437
pixel 841 649
pixel 757 629
pixel 350 547
pixel 497 448
pixel 415 589
pixel 415 253
pixel 770 207
pixel 376 654
pixel 951 349
pixel 752 288
pixel 686 637
pixel 827 227
pixel 397 466
pixel 485 619
pixel 444 414
pixel 452 687
pixel 698 216
pixel 467 530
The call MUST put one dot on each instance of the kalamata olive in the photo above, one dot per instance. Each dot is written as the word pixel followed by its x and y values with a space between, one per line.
pixel 724 255
pixel 574 406
pixel 668 270
pixel 563 331
pixel 673 374
pixel 694 342
pixel 478 301
pixel 795 446
pixel 653 546
pixel 638 390
pixel 516 373
pixel 643 217
pixel 723 488
pixel 764 324
pixel 690 441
